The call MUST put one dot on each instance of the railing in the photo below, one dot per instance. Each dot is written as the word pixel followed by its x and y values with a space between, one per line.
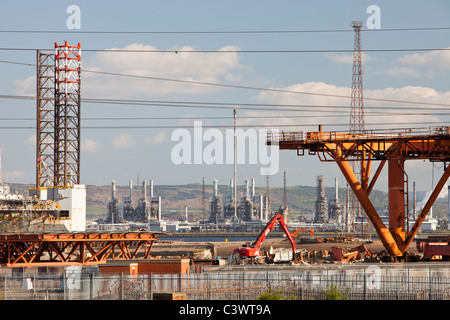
pixel 301 136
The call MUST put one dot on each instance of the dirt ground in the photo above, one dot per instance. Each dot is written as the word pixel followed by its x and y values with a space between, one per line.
pixel 224 249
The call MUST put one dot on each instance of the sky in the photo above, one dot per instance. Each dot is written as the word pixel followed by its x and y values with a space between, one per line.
pixel 206 43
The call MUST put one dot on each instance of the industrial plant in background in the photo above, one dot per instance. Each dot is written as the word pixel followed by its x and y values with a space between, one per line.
pixel 250 207
pixel 144 210
pixel 327 211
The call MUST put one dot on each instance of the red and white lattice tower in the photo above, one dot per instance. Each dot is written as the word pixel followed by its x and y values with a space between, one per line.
pixel 67 114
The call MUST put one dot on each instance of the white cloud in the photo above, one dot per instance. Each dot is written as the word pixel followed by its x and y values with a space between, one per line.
pixel 124 140
pixel 315 93
pixel 400 72
pixel 32 140
pixel 89 145
pixel 437 59
pixel 427 64
pixel 346 58
pixel 25 87
pixel 186 66
pixel 316 110
pixel 318 113
pixel 213 67
pixel 159 138
pixel 11 175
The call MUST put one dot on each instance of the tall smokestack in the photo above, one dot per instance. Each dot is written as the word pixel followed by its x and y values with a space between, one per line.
pixel 231 189
pixel 336 189
pixel 261 207
pixel 151 188
pixel 144 186
pixel 159 208
pixel 253 188
pixel 247 190
pixel 131 189
pixel 113 189
pixel 215 188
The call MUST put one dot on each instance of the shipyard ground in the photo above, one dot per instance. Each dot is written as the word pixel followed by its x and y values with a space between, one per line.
pixel 223 249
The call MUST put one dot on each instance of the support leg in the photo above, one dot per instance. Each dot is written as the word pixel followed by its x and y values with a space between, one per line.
pixel 383 233
pixel 396 180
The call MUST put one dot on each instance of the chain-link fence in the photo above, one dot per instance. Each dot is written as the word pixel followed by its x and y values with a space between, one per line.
pixel 371 282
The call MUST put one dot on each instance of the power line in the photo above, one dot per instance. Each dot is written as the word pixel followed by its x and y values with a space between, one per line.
pixel 175 51
pixel 272 126
pixel 231 105
pixel 221 31
pixel 344 114
pixel 242 87
pixel 255 107
pixel 263 89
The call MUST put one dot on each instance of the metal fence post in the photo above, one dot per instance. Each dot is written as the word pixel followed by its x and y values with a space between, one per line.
pixel 364 292
pixel 65 285
pixel 429 284
pixel 91 286
pixel 121 287
pixel 208 289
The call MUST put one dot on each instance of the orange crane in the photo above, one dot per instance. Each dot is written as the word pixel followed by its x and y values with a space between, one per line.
pixel 296 232
pixel 251 250
pixel 389 147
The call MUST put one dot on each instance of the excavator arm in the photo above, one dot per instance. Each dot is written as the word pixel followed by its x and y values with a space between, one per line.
pixel 253 249
pixel 296 232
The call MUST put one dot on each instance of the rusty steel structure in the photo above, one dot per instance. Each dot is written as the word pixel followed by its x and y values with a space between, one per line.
pixel 63 249
pixel 45 119
pixel 392 147
pixel 67 114
pixel 58 116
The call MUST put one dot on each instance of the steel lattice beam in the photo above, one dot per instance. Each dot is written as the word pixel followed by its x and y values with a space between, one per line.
pixel 72 249
pixel 67 114
pixel 45 119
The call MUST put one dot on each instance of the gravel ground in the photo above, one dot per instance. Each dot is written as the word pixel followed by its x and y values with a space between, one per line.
pixel 224 249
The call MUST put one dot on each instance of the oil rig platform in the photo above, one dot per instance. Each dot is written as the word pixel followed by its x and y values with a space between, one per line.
pixel 392 147
pixel 47 227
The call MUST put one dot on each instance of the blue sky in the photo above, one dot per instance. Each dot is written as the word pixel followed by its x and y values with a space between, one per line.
pixel 122 154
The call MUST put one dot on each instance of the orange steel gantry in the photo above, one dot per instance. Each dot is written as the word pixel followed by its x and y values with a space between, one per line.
pixel 393 146
pixel 63 249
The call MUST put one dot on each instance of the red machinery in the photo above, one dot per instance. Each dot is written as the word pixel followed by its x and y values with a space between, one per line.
pixel 249 250
pixel 435 247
